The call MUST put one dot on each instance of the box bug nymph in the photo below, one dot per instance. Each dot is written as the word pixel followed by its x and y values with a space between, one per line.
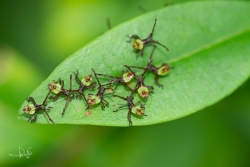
pixel 124 79
pixel 141 88
pixel 159 71
pixel 98 98
pixel 136 109
pixel 57 87
pixel 139 43
pixel 34 108
pixel 85 83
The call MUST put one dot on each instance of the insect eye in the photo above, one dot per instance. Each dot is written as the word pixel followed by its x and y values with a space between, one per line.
pixel 138 44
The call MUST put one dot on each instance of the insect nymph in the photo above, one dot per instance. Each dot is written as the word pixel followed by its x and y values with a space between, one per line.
pixel 159 71
pixel 57 87
pixel 140 86
pixel 124 79
pixel 34 108
pixel 85 83
pixel 139 43
pixel 98 98
pixel 136 109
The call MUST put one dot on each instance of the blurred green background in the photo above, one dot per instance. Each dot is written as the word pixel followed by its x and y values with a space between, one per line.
pixel 35 36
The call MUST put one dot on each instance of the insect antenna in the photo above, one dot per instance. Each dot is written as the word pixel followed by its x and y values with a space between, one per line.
pixel 96 78
pixel 151 34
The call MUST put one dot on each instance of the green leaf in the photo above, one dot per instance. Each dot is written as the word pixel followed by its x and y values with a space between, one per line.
pixel 209 50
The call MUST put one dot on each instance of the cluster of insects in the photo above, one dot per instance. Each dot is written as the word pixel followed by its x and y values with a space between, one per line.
pixel 56 88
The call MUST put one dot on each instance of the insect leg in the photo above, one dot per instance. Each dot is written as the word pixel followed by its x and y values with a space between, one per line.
pixel 68 99
pixel 49 117
pixel 32 100
pixel 121 107
pixel 133 37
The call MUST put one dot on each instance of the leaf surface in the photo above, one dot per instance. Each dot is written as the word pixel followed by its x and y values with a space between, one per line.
pixel 209 51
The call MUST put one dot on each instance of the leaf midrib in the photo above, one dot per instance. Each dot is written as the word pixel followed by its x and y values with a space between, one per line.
pixel 210 45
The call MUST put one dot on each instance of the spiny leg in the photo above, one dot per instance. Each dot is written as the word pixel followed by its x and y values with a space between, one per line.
pixel 114 79
pixel 139 102
pixel 156 81
pixel 76 91
pixel 150 61
pixel 128 67
pixel 109 83
pixel 49 117
pixel 105 75
pixel 91 87
pixel 151 55
pixel 146 68
pixel 89 107
pixel 77 77
pixel 115 88
pixel 33 119
pixel 62 83
pixel 32 100
pixel 106 103
pixel 102 105
pixel 120 97
pixel 133 37
pixel 134 90
pixel 129 118
pixel 96 77
pixel 70 88
pixel 153 41
pixel 55 97
pixel 137 67
pixel 45 100
pixel 67 102
pixel 120 108
pixel 150 87
pixel 58 81
pixel 127 86
pixel 140 53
